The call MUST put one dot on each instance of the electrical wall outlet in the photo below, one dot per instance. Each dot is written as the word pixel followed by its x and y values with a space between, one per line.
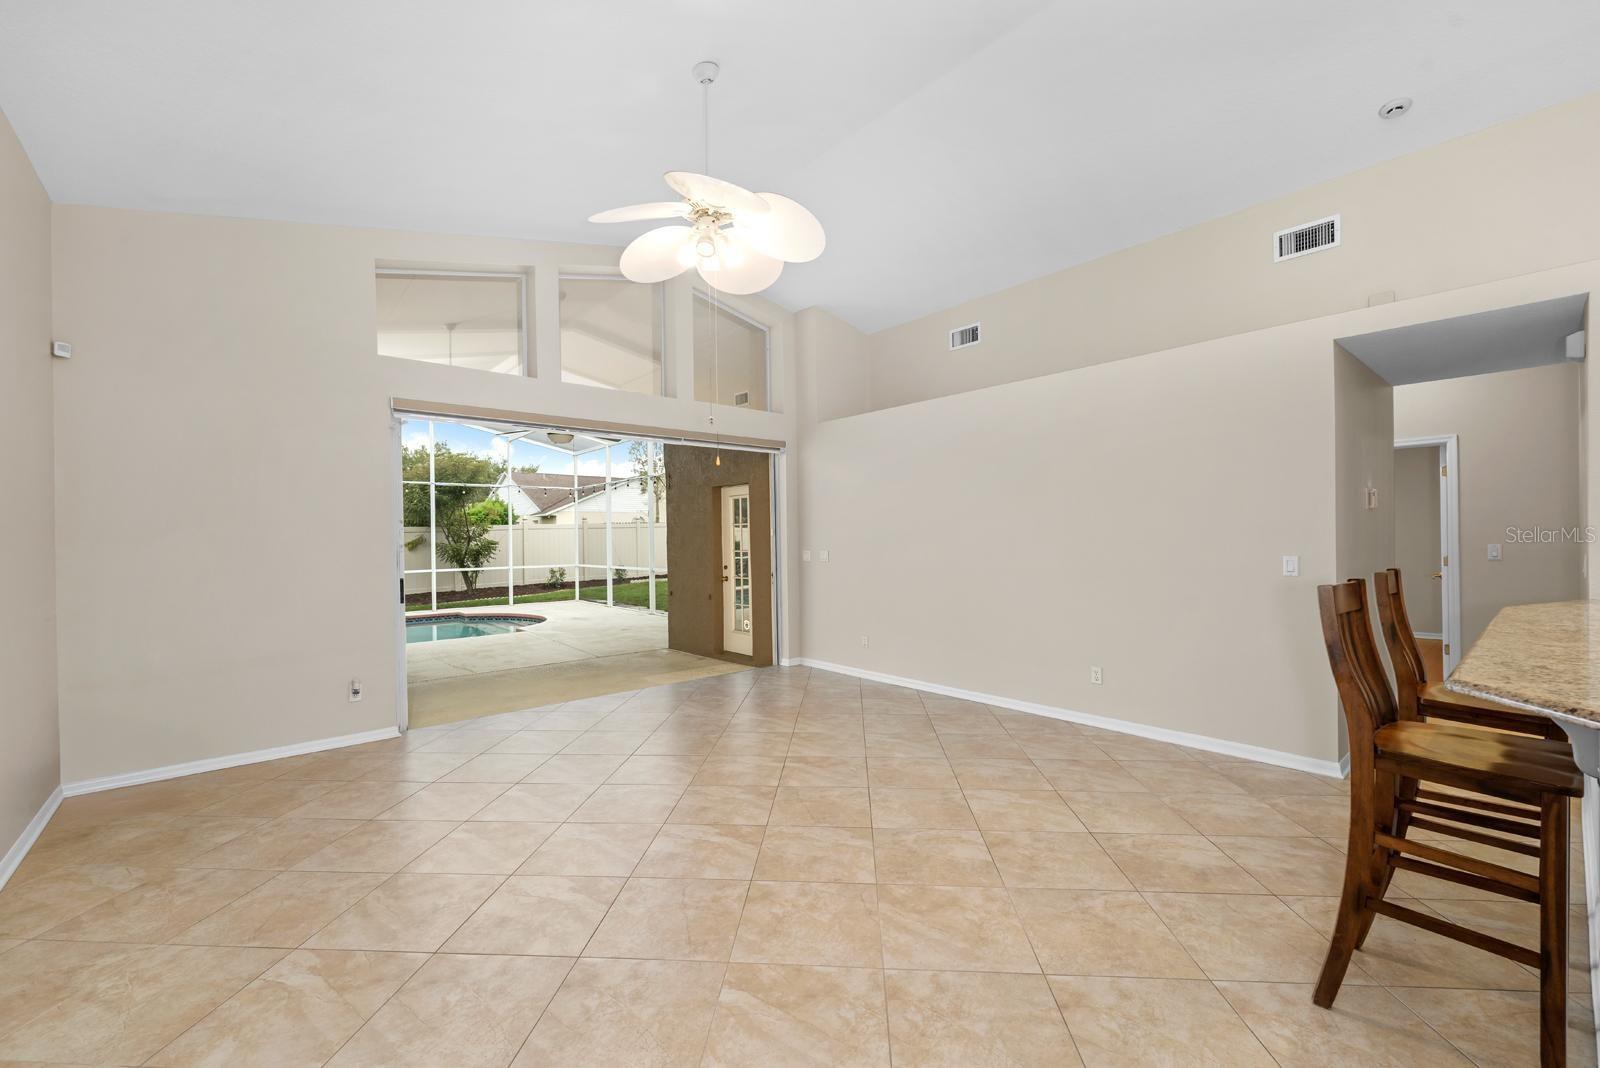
pixel 355 689
pixel 1096 676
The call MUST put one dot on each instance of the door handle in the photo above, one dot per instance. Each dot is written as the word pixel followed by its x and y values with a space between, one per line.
pixel 1438 574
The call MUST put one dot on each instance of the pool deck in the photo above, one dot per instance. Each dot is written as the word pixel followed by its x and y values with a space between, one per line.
pixel 581 650
pixel 573 630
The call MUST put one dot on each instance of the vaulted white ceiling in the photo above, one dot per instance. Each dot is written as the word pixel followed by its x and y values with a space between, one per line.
pixel 950 148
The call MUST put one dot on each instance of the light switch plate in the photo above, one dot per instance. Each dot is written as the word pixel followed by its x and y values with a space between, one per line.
pixel 822 556
pixel 1291 567
pixel 1494 550
pixel 805 556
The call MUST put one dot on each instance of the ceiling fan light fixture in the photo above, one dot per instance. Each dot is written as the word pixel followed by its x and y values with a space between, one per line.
pixel 735 239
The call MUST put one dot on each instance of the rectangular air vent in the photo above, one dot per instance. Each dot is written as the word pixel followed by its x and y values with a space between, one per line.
pixel 741 399
pixel 966 335
pixel 1306 238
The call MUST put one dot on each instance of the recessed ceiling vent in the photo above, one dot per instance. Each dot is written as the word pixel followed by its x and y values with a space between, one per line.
pixel 1307 238
pixel 966 335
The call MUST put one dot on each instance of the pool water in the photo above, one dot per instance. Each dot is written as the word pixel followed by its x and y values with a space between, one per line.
pixel 439 629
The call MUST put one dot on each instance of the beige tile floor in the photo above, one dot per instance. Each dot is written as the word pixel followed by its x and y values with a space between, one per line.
pixel 768 868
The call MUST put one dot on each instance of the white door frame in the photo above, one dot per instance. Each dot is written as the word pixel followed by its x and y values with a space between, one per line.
pixel 730 579
pixel 402 705
pixel 1449 539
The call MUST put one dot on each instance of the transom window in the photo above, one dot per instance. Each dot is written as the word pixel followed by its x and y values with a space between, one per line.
pixel 611 333
pixel 730 356
pixel 455 318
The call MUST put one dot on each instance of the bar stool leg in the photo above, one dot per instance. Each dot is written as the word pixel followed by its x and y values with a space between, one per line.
pixel 1554 820
pixel 1396 823
pixel 1360 857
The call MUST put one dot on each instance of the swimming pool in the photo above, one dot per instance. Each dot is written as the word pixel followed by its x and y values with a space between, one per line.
pixel 441 628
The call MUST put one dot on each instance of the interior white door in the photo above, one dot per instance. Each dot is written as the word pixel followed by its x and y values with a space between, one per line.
pixel 737 611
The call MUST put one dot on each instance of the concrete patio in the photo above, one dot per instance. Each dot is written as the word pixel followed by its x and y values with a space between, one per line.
pixel 582 650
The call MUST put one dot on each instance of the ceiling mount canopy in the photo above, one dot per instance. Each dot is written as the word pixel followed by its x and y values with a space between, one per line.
pixel 737 240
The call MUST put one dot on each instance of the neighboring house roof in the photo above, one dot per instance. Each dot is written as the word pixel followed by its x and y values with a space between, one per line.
pixel 548 493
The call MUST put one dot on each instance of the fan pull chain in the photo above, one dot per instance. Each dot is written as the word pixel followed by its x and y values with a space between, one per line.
pixel 716 354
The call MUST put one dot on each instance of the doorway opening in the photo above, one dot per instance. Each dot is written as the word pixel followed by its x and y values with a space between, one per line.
pixel 1487 425
pixel 1427 538
pixel 538 565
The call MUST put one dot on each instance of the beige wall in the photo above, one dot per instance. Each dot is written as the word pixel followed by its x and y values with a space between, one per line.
pixel 1519 445
pixel 1526 187
pixel 834 366
pixel 1171 485
pixel 247 349
pixel 1363 405
pixel 1176 479
pixel 1416 532
pixel 1363 461
pixel 29 749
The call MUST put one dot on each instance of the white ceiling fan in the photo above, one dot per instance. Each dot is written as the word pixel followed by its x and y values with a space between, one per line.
pixel 737 240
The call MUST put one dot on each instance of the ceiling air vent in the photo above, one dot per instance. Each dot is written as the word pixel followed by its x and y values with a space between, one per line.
pixel 741 399
pixel 1306 238
pixel 964 336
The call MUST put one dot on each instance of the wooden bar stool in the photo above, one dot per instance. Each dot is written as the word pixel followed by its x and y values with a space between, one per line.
pixel 1421 699
pixel 1389 757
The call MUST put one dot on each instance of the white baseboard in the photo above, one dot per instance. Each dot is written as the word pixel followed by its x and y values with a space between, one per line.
pixel 30 834
pixel 1329 768
pixel 195 767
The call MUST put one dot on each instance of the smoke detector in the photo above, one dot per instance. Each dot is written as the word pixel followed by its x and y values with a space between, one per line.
pixel 1395 108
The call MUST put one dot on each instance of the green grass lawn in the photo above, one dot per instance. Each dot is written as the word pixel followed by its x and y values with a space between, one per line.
pixel 635 594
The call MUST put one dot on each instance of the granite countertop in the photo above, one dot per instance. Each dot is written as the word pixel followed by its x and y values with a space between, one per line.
pixel 1543 657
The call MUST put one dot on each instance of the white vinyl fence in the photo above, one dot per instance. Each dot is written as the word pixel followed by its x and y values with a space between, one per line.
pixel 536 549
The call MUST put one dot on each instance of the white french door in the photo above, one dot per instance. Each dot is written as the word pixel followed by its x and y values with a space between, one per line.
pixel 737 610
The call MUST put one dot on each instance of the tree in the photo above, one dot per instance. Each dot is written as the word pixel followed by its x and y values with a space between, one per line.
pixel 464 514
pixel 649 468
pixel 465 541
pixel 493 511
pixel 449 466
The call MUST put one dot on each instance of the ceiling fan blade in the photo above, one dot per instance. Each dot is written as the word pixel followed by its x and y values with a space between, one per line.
pixel 786 231
pixel 704 189
pixel 664 209
pixel 653 256
pixel 740 270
